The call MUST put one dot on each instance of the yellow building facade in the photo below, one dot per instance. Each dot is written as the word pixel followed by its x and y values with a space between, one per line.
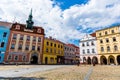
pixel 108 45
pixel 53 52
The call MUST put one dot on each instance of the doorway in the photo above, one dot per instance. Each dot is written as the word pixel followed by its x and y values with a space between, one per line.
pixel 34 59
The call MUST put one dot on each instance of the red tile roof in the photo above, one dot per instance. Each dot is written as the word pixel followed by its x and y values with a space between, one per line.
pixel 5 24
pixel 93 34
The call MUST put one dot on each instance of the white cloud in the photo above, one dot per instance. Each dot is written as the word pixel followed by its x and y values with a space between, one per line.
pixel 65 25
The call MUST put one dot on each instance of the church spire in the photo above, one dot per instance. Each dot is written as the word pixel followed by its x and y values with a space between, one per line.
pixel 29 21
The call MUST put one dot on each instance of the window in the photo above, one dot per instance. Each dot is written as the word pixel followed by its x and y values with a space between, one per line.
pixel 17 27
pixel 107 40
pixel 39 39
pixel 115 48
pixel 54 45
pixel 61 47
pixel 93 51
pixel 50 50
pixel 21 37
pixel 108 48
pixel 106 32
pixel 4 34
pixel 114 39
pixel 88 51
pixel 112 31
pixel 54 50
pixel 27 47
pixel 101 41
pixel 87 44
pixel 24 58
pixel 83 51
pixel 20 47
pixel 28 38
pixel 51 44
pixel 16 58
pixel 58 46
pixel 33 47
pixel 38 48
pixel 47 43
pixel 99 34
pixel 83 44
pixel 2 44
pixel 34 38
pixel 46 49
pixel 14 36
pixel 39 30
pixel 9 57
pixel 13 46
pixel 102 49
pixel 92 43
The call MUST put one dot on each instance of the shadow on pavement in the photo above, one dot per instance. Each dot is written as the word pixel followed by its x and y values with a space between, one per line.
pixel 21 78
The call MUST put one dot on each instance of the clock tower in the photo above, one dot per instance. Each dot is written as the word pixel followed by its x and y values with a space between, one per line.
pixel 29 21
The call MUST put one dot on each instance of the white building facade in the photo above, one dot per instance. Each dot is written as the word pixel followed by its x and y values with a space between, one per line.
pixel 88 49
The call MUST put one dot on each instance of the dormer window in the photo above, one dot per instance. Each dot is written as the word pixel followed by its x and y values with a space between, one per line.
pixel 17 27
pixel 112 31
pixel 106 33
pixel 39 30
pixel 99 34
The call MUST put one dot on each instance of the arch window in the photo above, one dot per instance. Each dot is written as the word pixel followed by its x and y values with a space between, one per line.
pixel 24 58
pixel 106 33
pixel 83 44
pixel 102 49
pixel 16 58
pixel 115 48
pixel 101 41
pixel 114 39
pixel 107 40
pixel 108 48
pixel 9 57
pixel 112 31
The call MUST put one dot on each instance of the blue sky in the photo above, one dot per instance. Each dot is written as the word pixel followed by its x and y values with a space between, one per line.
pixel 65 20
pixel 65 4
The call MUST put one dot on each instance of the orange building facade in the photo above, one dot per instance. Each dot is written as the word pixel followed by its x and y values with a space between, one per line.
pixel 25 44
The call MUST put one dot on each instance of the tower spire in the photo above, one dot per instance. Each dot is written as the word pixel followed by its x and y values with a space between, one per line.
pixel 30 21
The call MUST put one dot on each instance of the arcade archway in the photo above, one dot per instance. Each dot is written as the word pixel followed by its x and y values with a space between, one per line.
pixel 118 59
pixel 103 60
pixel 111 59
pixel 95 59
pixel 89 60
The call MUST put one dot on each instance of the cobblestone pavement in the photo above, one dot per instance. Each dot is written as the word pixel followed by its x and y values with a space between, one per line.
pixel 106 72
pixel 18 71
pixel 60 72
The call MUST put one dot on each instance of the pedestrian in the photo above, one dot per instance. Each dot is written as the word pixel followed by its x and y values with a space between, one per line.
pixel 78 63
